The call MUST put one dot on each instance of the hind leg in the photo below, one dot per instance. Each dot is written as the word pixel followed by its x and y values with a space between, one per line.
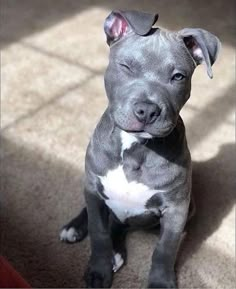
pixel 77 229
pixel 118 236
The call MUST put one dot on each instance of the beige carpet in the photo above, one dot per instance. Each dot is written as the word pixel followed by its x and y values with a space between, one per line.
pixel 53 59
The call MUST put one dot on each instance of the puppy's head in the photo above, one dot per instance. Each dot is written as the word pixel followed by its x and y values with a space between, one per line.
pixel 148 79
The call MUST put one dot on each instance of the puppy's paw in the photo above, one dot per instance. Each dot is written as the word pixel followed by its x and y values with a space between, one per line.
pixel 98 276
pixel 71 235
pixel 162 280
pixel 118 262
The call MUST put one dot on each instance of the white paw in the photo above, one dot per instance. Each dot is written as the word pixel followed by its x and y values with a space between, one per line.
pixel 118 261
pixel 69 235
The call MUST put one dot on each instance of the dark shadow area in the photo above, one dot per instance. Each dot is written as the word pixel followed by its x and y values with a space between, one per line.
pixel 23 18
pixel 38 195
pixel 214 193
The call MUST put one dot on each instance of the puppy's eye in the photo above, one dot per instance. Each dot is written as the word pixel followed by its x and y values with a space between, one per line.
pixel 178 76
pixel 125 66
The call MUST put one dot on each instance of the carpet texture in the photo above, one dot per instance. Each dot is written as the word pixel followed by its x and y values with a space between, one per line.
pixel 53 59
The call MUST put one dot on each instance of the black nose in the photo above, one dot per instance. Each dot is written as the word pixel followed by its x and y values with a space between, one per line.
pixel 146 112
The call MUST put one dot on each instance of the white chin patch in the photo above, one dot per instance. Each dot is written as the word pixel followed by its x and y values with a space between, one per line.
pixel 130 138
pixel 118 262
pixel 127 140
pixel 69 235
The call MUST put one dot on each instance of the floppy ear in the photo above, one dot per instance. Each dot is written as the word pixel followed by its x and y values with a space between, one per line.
pixel 202 45
pixel 118 23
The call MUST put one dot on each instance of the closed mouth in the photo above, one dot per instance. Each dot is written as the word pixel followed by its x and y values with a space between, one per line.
pixel 147 131
pixel 147 134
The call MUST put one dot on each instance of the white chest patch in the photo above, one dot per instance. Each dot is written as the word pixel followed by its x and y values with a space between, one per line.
pixel 126 199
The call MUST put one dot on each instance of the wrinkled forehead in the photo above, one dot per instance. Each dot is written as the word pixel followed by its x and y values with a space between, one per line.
pixel 161 46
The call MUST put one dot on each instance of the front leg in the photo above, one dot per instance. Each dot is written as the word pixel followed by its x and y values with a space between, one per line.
pixel 99 272
pixel 172 223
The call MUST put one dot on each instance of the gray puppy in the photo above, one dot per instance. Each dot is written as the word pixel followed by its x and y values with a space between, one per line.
pixel 138 166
